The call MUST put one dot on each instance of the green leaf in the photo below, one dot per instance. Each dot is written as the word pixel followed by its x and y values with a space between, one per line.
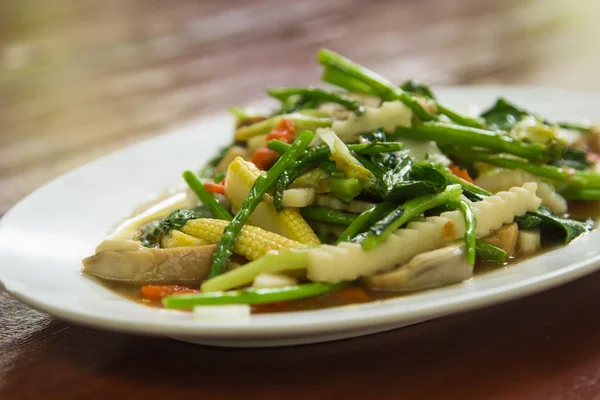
pixel 572 158
pixel 154 232
pixel 544 218
pixel 504 115
pixel 417 88
pixel 410 179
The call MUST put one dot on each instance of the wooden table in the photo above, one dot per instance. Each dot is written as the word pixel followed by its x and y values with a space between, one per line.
pixel 79 79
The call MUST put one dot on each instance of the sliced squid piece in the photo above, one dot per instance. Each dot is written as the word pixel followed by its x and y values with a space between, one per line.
pixel 427 270
pixel 130 262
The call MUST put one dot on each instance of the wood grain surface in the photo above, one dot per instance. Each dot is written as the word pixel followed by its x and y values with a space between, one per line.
pixel 79 79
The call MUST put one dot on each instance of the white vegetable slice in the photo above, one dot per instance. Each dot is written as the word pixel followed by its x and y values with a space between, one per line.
pixel 504 179
pixel 300 197
pixel 389 116
pixel 233 312
pixel 274 280
pixel 529 240
pixel 348 261
pixel 340 153
pixel 355 206
pixel 420 150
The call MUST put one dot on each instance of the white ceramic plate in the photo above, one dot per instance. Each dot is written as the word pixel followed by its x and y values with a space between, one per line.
pixel 43 239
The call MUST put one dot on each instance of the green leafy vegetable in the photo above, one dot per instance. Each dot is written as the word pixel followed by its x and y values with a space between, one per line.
pixel 409 180
pixel 544 218
pixel 572 158
pixel 419 88
pixel 504 115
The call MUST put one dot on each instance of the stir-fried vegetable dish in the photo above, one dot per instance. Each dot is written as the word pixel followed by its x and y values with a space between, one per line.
pixel 352 193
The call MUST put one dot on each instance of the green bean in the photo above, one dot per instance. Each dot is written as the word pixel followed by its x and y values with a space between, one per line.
pixel 404 213
pixel 490 253
pixel 251 295
pixel 443 133
pixel 347 71
pixel 206 197
pixel 319 95
pixel 261 185
pixel 364 221
pixel 470 225
pixel 327 215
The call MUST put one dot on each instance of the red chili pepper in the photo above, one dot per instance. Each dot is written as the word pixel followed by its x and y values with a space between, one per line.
pixel 157 292
pixel 264 157
pixel 461 173
pixel 284 131
pixel 215 187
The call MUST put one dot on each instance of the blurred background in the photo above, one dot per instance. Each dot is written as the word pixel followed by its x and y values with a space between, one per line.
pixel 82 78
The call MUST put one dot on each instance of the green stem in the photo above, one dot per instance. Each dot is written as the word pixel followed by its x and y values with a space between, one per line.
pixel 319 95
pixel 470 225
pixel 473 191
pixel 345 189
pixel 589 180
pixel 283 260
pixel 362 148
pixel 327 215
pixel 582 194
pixel 443 133
pixel 576 127
pixel 251 295
pixel 460 119
pixel 384 88
pixel 407 211
pixel 364 221
pixel 206 197
pixel 261 185
pixel 340 78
